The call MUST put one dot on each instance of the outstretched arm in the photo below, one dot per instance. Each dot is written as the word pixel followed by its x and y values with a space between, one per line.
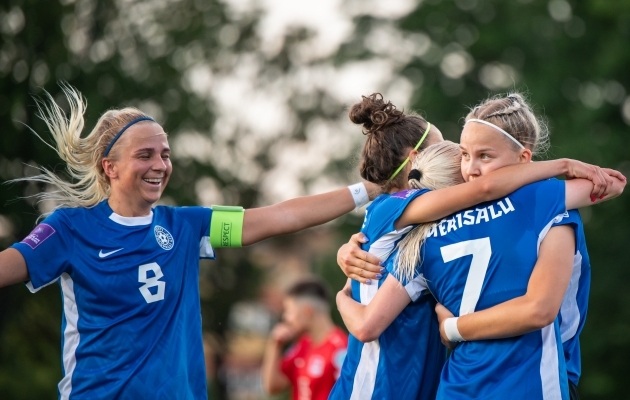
pixel 367 322
pixel 535 309
pixel 297 214
pixel 441 203
pixel 12 268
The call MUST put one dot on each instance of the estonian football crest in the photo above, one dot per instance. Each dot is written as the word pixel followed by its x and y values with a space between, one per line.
pixel 163 237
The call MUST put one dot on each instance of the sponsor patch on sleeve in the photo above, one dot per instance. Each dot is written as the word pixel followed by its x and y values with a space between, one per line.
pixel 39 235
pixel 404 194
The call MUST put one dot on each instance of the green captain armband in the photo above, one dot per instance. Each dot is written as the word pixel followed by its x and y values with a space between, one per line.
pixel 226 226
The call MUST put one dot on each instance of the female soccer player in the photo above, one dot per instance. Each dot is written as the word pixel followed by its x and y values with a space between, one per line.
pixel 405 360
pixel 486 377
pixel 128 269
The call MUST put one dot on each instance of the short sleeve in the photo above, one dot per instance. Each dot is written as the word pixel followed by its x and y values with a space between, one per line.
pixel 199 218
pixel 415 286
pixel 548 201
pixel 571 218
pixel 47 250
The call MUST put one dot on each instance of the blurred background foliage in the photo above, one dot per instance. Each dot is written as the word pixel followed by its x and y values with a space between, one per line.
pixel 253 94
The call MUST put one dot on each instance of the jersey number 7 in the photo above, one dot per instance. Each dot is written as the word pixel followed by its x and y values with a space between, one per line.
pixel 481 251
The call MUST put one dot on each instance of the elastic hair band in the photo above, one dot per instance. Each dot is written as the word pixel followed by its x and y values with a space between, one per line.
pixel 226 226
pixel 120 132
pixel 481 121
pixel 426 132
pixel 414 174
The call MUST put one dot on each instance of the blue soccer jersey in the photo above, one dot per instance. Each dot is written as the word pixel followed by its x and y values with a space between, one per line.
pixel 482 257
pixel 406 360
pixel 575 302
pixel 131 326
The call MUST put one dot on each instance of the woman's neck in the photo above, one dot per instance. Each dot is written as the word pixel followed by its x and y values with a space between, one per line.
pixel 398 188
pixel 124 209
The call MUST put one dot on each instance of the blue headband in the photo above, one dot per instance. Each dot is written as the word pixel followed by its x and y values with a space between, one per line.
pixel 109 147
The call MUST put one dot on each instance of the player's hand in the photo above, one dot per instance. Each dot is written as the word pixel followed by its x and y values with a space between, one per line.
pixel 442 314
pixel 619 183
pixel 602 180
pixel 282 333
pixel 358 264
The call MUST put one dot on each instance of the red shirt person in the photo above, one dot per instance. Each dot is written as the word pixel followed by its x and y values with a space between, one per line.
pixel 311 365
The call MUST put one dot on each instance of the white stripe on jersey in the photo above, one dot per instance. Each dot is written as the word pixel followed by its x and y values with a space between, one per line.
pixel 385 245
pixel 365 375
pixel 569 310
pixel 70 335
pixel 549 368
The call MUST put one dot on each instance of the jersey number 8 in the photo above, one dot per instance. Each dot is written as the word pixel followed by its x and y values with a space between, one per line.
pixel 150 282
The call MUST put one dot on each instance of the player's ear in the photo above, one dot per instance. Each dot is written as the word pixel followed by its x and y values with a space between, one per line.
pixel 109 168
pixel 525 156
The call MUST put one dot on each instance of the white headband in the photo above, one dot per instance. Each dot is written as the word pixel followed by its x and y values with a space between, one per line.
pixel 481 121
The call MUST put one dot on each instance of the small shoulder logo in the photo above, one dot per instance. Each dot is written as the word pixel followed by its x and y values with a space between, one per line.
pixel 39 235
pixel 163 237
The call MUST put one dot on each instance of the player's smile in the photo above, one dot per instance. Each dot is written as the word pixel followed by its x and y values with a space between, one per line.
pixel 141 169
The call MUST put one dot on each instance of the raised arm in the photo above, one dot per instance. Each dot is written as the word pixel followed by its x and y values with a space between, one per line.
pixel 441 203
pixel 12 268
pixel 367 322
pixel 535 309
pixel 300 213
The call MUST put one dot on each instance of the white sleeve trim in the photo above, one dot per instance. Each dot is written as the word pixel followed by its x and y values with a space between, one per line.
pixel 205 249
pixel 29 285
pixel 416 287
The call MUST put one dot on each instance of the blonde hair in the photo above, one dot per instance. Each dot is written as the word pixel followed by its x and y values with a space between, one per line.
pixel 514 114
pixel 83 156
pixel 439 166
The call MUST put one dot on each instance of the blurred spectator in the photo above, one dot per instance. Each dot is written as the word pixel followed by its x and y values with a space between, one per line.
pixel 311 366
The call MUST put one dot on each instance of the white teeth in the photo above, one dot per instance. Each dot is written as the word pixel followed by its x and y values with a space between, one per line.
pixel 158 180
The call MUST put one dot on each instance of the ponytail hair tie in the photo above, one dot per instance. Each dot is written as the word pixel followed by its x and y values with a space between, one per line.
pixel 414 174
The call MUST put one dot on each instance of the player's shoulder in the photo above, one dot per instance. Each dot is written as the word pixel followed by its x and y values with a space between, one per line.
pixel 544 185
pixel 406 195
pixel 192 215
pixel 71 217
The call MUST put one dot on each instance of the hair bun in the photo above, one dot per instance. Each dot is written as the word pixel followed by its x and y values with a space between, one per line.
pixel 374 113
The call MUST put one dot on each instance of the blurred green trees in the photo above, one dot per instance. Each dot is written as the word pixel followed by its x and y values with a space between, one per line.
pixel 253 95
